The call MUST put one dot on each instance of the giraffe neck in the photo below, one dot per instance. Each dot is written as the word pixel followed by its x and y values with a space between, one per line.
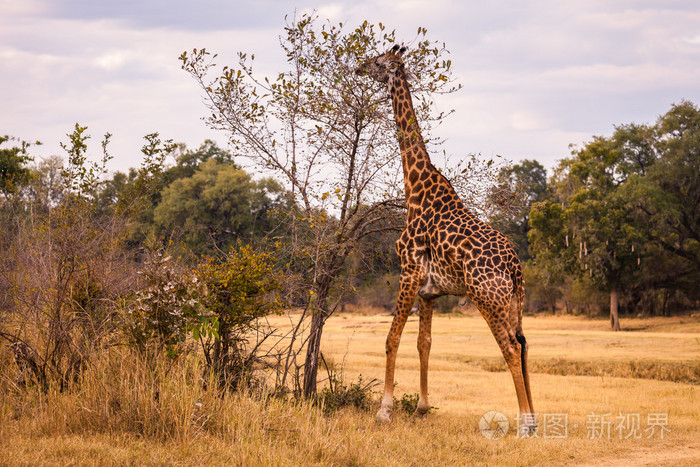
pixel 414 156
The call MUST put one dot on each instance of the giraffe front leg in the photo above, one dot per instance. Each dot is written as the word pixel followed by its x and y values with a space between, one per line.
pixel 424 343
pixel 407 295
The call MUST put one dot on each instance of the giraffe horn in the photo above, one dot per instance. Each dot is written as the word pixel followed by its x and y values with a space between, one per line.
pixel 395 48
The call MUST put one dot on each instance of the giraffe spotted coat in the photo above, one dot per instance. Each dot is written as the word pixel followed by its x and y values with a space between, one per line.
pixel 445 249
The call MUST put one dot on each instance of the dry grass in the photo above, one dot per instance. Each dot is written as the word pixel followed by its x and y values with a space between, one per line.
pixel 116 418
pixel 680 372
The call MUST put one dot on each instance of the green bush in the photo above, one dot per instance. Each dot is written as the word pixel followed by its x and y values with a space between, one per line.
pixel 237 290
pixel 165 307
pixel 407 404
pixel 337 394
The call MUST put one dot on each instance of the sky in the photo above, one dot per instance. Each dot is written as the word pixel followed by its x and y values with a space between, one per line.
pixel 537 76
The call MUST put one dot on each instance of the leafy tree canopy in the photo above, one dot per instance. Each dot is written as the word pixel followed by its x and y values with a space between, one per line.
pixel 13 165
pixel 520 186
pixel 216 205
pixel 624 209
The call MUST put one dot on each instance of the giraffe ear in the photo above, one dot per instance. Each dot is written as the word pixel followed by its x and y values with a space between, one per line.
pixel 410 76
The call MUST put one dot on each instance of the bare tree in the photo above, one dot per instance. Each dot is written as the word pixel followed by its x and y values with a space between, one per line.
pixel 330 137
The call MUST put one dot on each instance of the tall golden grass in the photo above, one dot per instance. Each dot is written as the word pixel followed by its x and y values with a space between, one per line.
pixel 126 410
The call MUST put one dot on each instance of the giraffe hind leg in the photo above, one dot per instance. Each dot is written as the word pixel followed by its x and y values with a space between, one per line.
pixel 494 302
pixel 528 421
pixel 513 347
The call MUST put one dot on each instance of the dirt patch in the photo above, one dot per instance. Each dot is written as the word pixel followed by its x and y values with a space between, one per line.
pixel 664 455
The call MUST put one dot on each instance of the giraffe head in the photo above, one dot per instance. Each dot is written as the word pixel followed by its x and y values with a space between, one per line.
pixel 385 66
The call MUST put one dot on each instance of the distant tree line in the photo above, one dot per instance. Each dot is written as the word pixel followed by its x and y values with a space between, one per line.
pixel 615 228
pixel 617 225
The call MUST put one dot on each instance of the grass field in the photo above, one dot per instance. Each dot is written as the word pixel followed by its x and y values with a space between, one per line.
pixel 615 394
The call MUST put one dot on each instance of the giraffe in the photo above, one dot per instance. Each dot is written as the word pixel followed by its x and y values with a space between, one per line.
pixel 445 249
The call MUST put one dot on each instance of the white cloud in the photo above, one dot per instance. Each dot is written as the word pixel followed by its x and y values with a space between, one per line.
pixel 112 78
pixel 420 6
pixel 331 11
pixel 112 60
pixel 537 75
pixel 25 7
pixel 527 121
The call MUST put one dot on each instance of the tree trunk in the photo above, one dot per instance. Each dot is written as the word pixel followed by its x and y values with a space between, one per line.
pixel 614 304
pixel 665 301
pixel 313 346
pixel 312 352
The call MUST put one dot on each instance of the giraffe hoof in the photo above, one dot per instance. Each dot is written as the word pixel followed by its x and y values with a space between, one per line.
pixel 383 417
pixel 528 426
pixel 421 411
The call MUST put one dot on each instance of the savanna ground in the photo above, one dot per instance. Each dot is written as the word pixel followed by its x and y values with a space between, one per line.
pixel 649 373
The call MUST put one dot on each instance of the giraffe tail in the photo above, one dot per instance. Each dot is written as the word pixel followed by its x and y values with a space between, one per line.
pixel 517 300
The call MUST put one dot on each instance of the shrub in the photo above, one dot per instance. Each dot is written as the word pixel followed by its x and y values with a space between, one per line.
pixel 238 290
pixel 338 395
pixel 407 404
pixel 65 272
pixel 167 304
